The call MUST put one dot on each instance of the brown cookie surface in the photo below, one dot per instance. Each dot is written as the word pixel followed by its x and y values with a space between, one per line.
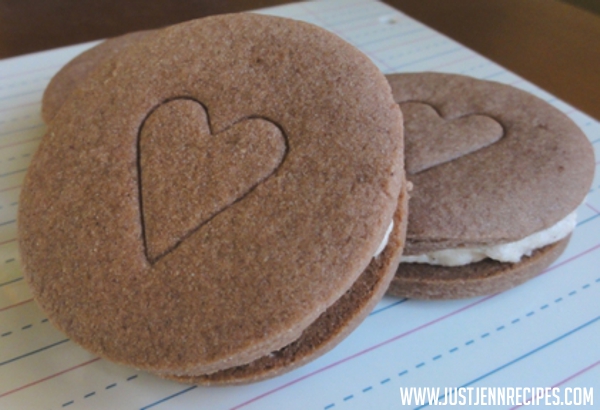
pixel 75 71
pixel 422 281
pixel 332 326
pixel 489 163
pixel 294 139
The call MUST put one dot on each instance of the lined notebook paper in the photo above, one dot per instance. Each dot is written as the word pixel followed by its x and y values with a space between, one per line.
pixel 544 333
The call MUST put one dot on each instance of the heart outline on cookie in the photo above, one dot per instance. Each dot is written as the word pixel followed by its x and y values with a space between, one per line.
pixel 432 140
pixel 187 174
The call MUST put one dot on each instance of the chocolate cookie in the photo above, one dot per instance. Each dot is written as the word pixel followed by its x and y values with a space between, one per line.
pixel 208 204
pixel 497 175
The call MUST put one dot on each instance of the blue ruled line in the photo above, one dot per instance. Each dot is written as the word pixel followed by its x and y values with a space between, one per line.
pixel 454 50
pixel 14 359
pixel 156 403
pixel 482 336
pixel 11 281
pixel 396 35
pixel 337 24
pixel 588 219
pixel 2 134
pixel 391 305
pixel 497 73
pixel 13 172
pixel 8 97
pixel 526 355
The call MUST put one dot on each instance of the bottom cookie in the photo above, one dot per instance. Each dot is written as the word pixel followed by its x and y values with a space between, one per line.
pixel 422 281
pixel 331 327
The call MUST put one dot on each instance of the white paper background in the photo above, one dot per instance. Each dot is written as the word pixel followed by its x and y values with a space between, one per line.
pixel 542 334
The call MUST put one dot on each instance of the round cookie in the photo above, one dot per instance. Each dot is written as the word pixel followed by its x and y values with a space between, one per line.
pixel 207 205
pixel 490 164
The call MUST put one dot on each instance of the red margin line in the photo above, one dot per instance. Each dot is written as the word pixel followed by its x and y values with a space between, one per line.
pixel 8 241
pixel 560 383
pixel 591 207
pixel 572 258
pixel 15 305
pixel 268 393
pixel 360 353
pixel 48 377
pixel 10 187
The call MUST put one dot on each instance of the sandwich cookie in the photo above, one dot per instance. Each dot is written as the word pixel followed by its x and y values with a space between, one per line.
pixel 209 204
pixel 497 176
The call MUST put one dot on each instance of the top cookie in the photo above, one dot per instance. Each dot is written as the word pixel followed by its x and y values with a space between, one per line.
pixel 186 255
pixel 509 164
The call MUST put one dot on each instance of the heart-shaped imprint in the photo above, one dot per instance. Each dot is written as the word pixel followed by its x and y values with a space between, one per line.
pixel 432 140
pixel 188 175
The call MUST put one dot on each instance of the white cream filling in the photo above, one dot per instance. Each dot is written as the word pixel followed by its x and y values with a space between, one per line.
pixel 506 252
pixel 385 240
